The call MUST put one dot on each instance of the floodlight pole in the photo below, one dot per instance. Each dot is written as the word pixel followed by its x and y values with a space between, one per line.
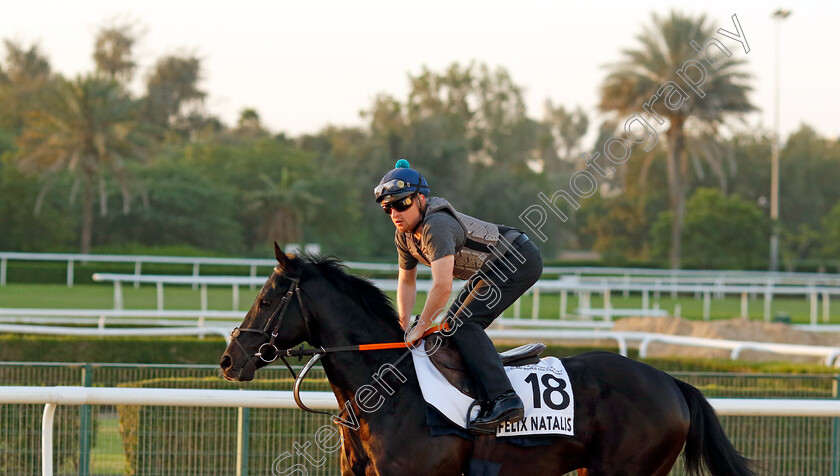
pixel 778 15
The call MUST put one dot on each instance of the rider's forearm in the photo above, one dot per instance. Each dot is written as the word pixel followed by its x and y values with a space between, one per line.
pixel 406 294
pixel 435 302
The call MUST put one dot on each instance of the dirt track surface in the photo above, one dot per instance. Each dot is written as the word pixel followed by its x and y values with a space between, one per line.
pixel 730 329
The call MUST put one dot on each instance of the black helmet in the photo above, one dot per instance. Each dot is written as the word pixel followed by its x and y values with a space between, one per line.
pixel 399 183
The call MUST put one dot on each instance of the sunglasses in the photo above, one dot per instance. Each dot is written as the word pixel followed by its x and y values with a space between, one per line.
pixel 399 205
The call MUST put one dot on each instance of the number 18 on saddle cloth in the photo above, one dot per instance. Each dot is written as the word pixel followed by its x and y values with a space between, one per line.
pixel 544 388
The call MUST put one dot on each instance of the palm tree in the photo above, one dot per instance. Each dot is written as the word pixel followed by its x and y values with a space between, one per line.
pixel 88 126
pixel 282 206
pixel 25 75
pixel 172 86
pixel 664 48
pixel 113 50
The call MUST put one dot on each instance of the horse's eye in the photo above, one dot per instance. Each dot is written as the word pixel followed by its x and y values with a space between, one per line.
pixel 265 303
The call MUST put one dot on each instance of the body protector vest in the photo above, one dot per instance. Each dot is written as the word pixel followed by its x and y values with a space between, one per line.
pixel 480 236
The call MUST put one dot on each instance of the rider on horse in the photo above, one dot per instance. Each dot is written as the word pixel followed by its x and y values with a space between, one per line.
pixel 499 263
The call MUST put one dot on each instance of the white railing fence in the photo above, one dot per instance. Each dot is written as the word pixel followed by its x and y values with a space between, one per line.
pixel 120 317
pixel 114 332
pixel 584 289
pixel 50 397
pixel 816 288
pixel 625 274
pixel 500 332
pixel 138 260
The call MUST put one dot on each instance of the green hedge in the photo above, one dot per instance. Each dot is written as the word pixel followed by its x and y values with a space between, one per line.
pixel 20 439
pixel 139 350
pixel 20 426
pixel 202 441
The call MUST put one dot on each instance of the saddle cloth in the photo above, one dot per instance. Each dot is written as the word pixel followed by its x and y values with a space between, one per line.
pixel 543 386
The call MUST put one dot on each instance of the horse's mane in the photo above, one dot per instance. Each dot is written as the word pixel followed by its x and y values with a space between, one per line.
pixel 360 290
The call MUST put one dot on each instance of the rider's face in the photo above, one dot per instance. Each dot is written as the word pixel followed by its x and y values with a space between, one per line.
pixel 407 220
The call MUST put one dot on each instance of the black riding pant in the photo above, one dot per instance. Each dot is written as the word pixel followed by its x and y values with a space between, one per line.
pixel 493 289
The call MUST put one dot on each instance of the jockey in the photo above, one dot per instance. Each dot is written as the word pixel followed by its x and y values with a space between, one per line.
pixel 498 262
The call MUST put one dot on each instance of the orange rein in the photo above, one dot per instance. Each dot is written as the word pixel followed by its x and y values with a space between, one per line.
pixel 401 345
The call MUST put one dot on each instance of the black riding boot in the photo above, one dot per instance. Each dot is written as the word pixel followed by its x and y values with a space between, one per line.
pixel 507 407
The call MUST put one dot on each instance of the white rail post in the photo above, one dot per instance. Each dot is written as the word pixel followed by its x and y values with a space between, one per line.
pixel 564 296
pixel 204 296
pixel 745 310
pixel 535 307
pixel 118 295
pixel 825 308
pixel 645 299
pixel 202 317
pixel 235 297
pixel 626 285
pixel 159 287
pixel 195 274
pixel 517 308
pixel 585 299
pixel 69 273
pixel 707 305
pixel 3 264
pixel 768 301
pixel 814 304
pixel 607 306
pixel 253 275
pixel 137 269
pixel 47 440
pixel 643 347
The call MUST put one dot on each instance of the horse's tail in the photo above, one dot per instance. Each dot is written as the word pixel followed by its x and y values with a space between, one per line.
pixel 707 445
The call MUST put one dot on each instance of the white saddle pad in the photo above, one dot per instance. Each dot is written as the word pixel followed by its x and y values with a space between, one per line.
pixel 544 388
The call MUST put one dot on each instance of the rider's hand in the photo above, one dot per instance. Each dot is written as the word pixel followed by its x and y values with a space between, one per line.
pixel 415 332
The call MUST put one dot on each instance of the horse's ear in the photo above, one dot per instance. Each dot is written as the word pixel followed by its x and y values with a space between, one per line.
pixel 282 260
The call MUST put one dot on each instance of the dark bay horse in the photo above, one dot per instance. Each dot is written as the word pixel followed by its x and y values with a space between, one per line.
pixel 630 419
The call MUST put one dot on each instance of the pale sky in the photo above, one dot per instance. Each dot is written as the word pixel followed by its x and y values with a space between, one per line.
pixel 305 64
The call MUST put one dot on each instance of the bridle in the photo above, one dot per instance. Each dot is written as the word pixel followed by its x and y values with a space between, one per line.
pixel 271 348
pixel 279 313
pixel 272 327
pixel 268 351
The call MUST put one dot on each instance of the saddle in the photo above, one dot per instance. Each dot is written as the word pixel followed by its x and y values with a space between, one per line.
pixel 447 359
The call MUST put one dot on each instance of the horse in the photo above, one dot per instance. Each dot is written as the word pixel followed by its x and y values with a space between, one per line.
pixel 630 419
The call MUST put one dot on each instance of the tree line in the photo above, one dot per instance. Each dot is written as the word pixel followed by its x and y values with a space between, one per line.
pixel 87 165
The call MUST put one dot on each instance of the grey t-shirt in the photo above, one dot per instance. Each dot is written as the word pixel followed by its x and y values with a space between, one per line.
pixel 440 235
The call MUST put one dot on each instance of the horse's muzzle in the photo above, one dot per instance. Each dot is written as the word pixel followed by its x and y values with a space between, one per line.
pixel 229 372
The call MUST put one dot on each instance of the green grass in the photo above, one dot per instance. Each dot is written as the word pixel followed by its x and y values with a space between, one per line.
pixel 101 296
pixel 107 456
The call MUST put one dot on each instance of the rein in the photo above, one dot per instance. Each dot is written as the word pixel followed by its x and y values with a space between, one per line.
pixel 268 351
pixel 318 352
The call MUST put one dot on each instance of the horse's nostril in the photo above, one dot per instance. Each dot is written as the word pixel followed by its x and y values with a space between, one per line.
pixel 226 362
